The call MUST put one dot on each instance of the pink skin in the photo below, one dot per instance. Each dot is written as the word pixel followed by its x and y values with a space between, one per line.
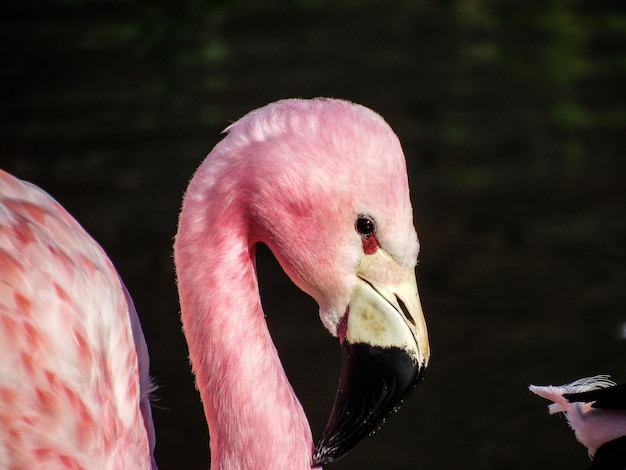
pixel 74 380
pixel 294 175
pixel 592 427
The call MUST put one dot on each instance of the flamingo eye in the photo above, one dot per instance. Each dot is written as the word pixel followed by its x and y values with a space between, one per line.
pixel 365 226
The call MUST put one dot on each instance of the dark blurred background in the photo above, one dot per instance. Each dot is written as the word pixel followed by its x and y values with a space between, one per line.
pixel 513 120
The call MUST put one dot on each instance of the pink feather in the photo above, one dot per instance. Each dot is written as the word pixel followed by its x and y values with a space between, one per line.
pixel 592 427
pixel 74 380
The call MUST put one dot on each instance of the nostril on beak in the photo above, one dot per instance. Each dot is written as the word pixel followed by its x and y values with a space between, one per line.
pixel 405 311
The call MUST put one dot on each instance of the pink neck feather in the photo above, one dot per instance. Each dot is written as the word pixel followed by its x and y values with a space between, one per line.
pixel 255 420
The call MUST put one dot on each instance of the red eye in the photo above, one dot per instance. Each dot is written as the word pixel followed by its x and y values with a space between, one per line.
pixel 365 226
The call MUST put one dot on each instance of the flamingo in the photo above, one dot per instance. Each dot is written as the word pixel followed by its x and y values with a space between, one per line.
pixel 595 408
pixel 323 184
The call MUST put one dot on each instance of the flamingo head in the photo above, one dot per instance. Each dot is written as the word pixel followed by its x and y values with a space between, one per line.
pixel 326 188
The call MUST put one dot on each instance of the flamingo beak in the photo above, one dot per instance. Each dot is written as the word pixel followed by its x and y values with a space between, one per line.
pixel 385 351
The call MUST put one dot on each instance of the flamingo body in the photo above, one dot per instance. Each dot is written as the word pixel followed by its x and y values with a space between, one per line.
pixel 73 362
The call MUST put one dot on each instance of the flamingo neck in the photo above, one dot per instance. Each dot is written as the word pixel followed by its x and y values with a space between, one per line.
pixel 254 418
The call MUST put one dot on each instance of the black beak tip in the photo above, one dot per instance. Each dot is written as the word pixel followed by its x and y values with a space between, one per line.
pixel 374 382
pixel 322 456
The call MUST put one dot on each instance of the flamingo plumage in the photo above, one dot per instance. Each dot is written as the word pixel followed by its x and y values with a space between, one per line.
pixel 74 380
pixel 323 184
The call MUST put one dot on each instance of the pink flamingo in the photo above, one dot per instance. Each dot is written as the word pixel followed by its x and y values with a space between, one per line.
pixel 322 183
